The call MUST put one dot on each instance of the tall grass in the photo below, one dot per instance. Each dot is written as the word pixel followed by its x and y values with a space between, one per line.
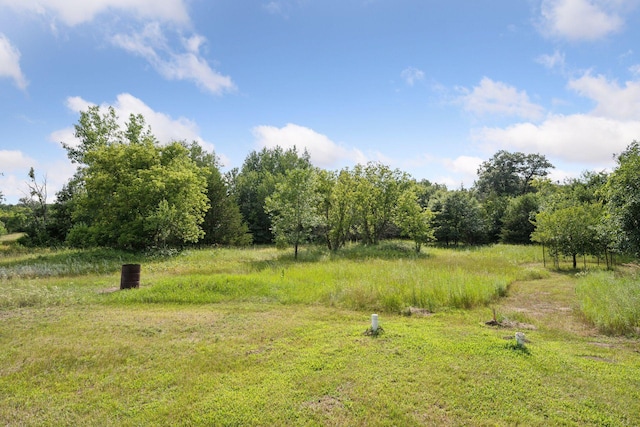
pixel 389 277
pixel 384 278
pixel 41 263
pixel 610 302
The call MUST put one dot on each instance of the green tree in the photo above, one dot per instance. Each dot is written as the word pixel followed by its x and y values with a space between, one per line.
pixel 415 221
pixel 257 180
pixel 494 208
pixel 510 174
pixel 570 231
pixel 623 196
pixel 293 207
pixel 516 225
pixel 130 184
pixel 377 189
pixel 337 207
pixel 505 176
pixel 223 223
pixel 94 129
pixel 457 218
pixel 15 217
pixel 61 212
pixel 589 187
pixel 36 203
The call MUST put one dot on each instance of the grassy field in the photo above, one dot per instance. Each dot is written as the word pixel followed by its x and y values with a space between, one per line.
pixel 250 337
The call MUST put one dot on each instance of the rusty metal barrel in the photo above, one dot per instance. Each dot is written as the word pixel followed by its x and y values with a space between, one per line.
pixel 130 276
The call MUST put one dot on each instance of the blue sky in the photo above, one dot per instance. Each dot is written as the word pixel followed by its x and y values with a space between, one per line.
pixel 429 87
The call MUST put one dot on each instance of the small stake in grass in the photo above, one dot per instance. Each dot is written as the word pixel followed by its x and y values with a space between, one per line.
pixel 375 329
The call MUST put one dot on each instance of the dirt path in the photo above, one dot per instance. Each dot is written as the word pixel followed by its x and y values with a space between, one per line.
pixel 546 303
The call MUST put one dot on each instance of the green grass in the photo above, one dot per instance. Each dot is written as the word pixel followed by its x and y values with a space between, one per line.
pixel 389 278
pixel 611 302
pixel 250 337
pixel 12 237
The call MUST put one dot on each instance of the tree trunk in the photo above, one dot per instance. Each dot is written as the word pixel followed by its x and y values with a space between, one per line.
pixel 575 261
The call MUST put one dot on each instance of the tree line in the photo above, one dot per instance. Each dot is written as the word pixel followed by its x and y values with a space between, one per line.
pixel 130 192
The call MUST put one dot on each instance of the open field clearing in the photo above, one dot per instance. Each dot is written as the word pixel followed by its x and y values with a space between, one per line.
pixel 249 337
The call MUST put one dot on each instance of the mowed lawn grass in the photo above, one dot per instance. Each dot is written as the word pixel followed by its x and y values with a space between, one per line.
pixel 250 337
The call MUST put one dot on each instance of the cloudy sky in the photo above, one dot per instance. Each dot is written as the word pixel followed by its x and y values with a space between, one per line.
pixel 429 87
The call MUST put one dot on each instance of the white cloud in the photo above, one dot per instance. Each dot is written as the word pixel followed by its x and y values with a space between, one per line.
pixel 184 63
pixel 573 138
pixel 14 160
pixel 635 69
pixel 274 7
pixel 75 12
pixel 323 151
pixel 461 171
pixel 590 138
pixel 612 100
pixel 554 61
pixel 465 165
pixel 151 44
pixel 581 19
pixel 14 166
pixel 10 63
pixel 498 98
pixel 164 127
pixel 412 75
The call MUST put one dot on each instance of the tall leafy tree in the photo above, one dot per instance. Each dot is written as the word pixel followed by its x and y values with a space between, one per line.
pixel 511 174
pixel 573 220
pixel 61 214
pixel 623 194
pixel 517 226
pixel 293 207
pixel 458 218
pixel 377 189
pixel 337 206
pixel 36 202
pixel 257 180
pixel 505 176
pixel 96 128
pixel 132 186
pixel 223 222
pixel 570 231
pixel 415 221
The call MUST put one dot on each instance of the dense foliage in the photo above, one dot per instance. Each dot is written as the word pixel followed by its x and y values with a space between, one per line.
pixel 623 191
pixel 131 192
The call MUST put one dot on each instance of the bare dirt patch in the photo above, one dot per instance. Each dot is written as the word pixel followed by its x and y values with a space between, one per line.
pixel 416 311
pixel 510 324
pixel 325 405
pixel 599 359
pixel 544 303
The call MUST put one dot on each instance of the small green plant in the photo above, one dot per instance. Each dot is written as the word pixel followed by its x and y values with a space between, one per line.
pixel 370 332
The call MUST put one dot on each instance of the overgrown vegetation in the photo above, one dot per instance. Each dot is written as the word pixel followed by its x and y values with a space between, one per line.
pixel 387 278
pixel 130 192
pixel 252 337
pixel 611 301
